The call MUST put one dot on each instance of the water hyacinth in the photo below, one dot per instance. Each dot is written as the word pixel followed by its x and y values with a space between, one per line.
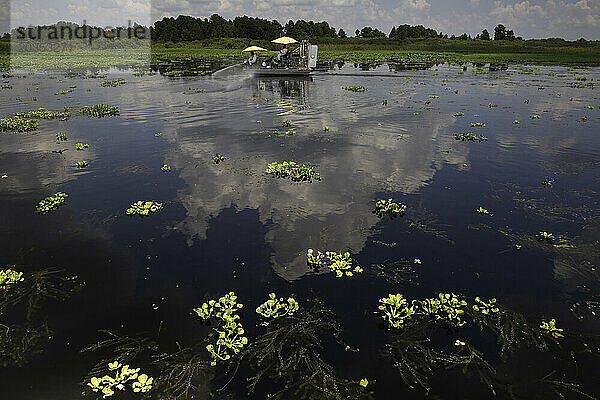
pixel 124 378
pixel 388 207
pixel 482 211
pixel 395 309
pixel 290 169
pixel 218 157
pixel 9 277
pixel 486 308
pixel 18 124
pixel 51 203
pixel 81 164
pixel 81 146
pixel 99 110
pixel 115 83
pixel 229 332
pixel 354 88
pixel 551 329
pixel 142 208
pixel 545 236
pixel 42 113
pixel 445 307
pixel 339 263
pixel 165 168
pixel 275 308
pixel 469 137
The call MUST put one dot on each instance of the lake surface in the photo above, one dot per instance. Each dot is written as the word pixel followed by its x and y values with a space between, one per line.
pixel 231 227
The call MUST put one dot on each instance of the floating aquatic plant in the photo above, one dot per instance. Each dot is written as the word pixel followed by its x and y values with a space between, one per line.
pixel 51 203
pixel 482 211
pixel 458 114
pixel 548 181
pixel 325 128
pixel 485 308
pixel 114 83
pixel 9 277
pixel 99 110
pixel 125 377
pixel 445 307
pixel 545 236
pixel 478 124
pixel 516 121
pixel 81 164
pixel 286 123
pixel 339 263
pixel 165 168
pixel 230 340
pixel 388 207
pixel 363 382
pixel 218 157
pixel 42 113
pixel 61 137
pixel 355 88
pixel 18 124
pixel 534 116
pixel 275 308
pixel 395 310
pixel 470 137
pixel 290 169
pixel 551 329
pixel 142 208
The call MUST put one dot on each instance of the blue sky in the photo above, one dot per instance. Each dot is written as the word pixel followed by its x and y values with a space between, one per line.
pixel 570 19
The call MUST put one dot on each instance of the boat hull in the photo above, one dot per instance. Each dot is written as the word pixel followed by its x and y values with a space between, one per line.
pixel 281 72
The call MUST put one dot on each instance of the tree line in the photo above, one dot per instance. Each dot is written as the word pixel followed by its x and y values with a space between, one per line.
pixel 186 28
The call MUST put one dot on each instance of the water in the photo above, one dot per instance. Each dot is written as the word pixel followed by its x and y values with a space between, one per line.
pixel 230 227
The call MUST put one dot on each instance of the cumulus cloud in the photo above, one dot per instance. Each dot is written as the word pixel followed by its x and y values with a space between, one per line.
pixel 528 18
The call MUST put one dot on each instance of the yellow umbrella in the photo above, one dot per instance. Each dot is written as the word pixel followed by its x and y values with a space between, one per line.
pixel 284 40
pixel 254 48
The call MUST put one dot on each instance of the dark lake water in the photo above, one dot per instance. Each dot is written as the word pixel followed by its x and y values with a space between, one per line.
pixel 231 227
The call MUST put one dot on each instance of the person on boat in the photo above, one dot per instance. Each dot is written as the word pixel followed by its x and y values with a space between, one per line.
pixel 282 55
pixel 252 59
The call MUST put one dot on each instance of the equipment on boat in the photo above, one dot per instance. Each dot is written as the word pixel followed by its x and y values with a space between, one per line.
pixel 298 62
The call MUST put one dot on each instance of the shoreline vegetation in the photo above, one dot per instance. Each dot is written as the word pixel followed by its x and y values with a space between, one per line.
pixel 357 50
pixel 187 39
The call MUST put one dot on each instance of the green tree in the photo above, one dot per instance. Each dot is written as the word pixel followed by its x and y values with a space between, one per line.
pixel 500 32
pixel 485 35
pixel 341 33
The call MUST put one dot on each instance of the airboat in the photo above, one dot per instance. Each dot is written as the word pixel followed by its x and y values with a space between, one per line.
pixel 298 62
